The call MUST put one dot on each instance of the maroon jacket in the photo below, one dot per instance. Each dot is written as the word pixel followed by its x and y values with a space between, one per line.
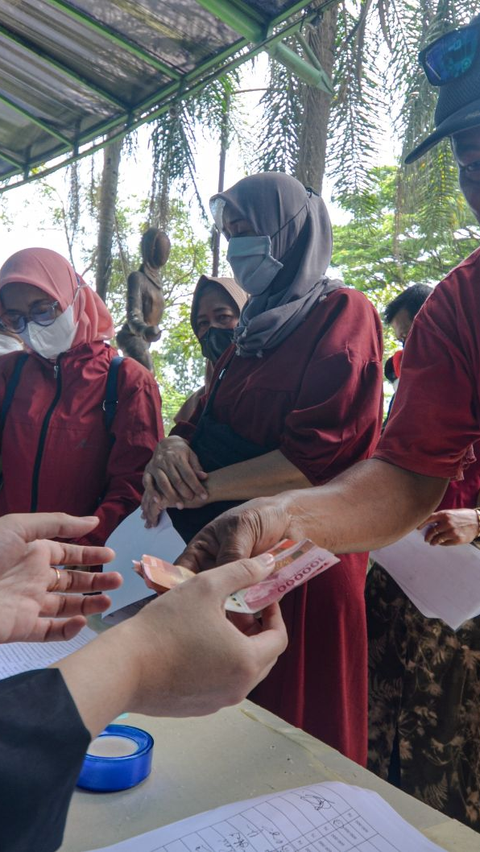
pixel 56 452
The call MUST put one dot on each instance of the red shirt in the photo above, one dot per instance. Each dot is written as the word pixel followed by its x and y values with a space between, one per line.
pixel 436 413
pixel 55 438
pixel 317 397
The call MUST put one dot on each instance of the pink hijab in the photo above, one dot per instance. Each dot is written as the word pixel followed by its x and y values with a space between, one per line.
pixel 53 274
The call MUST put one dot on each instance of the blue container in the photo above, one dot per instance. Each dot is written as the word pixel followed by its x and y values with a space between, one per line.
pixel 109 774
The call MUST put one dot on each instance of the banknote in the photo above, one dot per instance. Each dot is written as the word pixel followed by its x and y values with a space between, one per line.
pixel 295 563
pixel 160 575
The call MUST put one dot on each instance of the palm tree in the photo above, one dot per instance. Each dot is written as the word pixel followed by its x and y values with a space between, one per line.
pixel 370 47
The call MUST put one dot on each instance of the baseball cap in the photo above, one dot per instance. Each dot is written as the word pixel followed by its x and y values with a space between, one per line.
pixel 452 62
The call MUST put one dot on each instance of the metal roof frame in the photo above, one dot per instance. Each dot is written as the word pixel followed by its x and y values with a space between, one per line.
pixel 256 32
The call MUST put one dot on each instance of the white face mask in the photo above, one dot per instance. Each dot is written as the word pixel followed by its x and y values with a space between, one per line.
pixel 51 340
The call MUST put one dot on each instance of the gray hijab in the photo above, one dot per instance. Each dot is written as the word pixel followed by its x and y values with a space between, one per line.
pixel 297 222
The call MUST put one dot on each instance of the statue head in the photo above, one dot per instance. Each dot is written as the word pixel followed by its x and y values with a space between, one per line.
pixel 155 248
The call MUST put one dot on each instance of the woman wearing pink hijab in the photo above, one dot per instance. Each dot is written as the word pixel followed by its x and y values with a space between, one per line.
pixel 58 452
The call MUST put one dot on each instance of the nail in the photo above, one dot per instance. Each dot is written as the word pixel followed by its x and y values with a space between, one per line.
pixel 266 559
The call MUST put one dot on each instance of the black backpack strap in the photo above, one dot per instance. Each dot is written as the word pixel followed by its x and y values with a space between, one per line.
pixel 110 402
pixel 11 387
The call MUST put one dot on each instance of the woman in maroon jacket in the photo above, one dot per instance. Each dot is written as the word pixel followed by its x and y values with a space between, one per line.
pixel 293 403
pixel 57 450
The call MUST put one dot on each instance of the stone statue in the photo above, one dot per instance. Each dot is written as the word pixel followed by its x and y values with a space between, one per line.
pixel 145 302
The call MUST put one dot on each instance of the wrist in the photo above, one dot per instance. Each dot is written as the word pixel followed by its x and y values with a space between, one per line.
pixel 102 679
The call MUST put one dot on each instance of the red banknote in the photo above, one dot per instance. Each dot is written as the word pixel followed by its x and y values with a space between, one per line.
pixel 295 563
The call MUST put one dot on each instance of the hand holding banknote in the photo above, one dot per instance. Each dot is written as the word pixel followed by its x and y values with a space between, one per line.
pixel 293 564
pixel 245 530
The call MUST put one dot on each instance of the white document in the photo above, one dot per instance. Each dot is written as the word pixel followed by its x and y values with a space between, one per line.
pixel 130 541
pixel 442 582
pixel 19 657
pixel 330 817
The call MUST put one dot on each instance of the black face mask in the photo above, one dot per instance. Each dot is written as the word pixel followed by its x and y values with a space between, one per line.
pixel 215 341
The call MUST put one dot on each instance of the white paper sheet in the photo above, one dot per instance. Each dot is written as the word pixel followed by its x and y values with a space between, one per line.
pixel 330 817
pixel 442 582
pixel 130 541
pixel 21 657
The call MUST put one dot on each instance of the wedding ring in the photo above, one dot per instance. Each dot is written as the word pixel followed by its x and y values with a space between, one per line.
pixel 58 578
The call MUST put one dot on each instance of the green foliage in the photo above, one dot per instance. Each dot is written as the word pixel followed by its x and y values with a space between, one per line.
pixel 174 142
pixel 281 121
pixel 375 257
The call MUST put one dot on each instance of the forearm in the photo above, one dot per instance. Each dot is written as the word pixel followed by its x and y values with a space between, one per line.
pixel 369 506
pixel 102 678
pixel 263 476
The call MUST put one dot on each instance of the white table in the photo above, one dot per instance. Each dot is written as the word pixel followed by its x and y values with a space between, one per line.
pixel 236 754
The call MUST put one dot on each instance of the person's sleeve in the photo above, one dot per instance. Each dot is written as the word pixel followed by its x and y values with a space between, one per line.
pixel 189 406
pixel 186 428
pixel 137 428
pixel 135 317
pixel 42 745
pixel 337 416
pixel 435 416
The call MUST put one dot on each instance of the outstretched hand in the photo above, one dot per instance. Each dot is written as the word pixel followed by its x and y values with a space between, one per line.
pixel 39 602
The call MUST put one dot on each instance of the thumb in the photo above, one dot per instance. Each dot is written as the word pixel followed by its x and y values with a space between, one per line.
pixel 238 575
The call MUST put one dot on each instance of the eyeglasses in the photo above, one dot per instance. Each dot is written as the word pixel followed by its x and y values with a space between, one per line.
pixel 17 322
pixel 451 55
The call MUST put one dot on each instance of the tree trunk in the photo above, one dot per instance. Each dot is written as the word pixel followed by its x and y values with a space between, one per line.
pixel 106 215
pixel 316 105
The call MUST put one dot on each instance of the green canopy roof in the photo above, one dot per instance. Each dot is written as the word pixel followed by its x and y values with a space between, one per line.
pixel 72 72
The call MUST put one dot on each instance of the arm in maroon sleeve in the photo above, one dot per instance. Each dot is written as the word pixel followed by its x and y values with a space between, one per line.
pixel 435 416
pixel 337 415
pixel 137 428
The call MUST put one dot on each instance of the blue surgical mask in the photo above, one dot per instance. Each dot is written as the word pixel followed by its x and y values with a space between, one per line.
pixel 253 266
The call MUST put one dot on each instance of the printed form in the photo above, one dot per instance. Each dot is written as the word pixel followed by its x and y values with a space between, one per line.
pixel 327 817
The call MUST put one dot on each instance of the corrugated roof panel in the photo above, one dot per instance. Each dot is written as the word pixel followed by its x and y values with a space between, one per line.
pixel 72 71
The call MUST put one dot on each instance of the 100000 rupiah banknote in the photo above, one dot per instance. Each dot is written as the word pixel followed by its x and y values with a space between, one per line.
pixel 295 563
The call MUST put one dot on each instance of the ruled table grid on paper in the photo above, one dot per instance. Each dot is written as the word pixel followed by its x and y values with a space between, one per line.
pixel 291 822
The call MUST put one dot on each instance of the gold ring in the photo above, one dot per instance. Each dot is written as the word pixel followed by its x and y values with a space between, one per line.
pixel 58 578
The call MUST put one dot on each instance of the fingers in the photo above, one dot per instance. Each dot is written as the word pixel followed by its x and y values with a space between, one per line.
pixel 65 606
pixel 78 554
pixel 50 525
pixel 152 503
pixel 82 582
pixel 175 471
pixel 199 471
pixel 238 575
pixel 51 630
pixel 201 553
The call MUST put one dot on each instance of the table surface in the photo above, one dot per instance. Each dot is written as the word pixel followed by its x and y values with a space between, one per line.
pixel 240 752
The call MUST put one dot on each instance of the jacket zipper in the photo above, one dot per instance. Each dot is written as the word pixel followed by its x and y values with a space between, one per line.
pixel 43 434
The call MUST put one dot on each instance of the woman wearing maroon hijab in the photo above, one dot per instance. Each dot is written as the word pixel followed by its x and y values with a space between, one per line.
pixel 293 402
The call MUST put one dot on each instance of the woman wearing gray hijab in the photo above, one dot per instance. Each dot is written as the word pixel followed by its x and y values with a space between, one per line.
pixel 293 402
